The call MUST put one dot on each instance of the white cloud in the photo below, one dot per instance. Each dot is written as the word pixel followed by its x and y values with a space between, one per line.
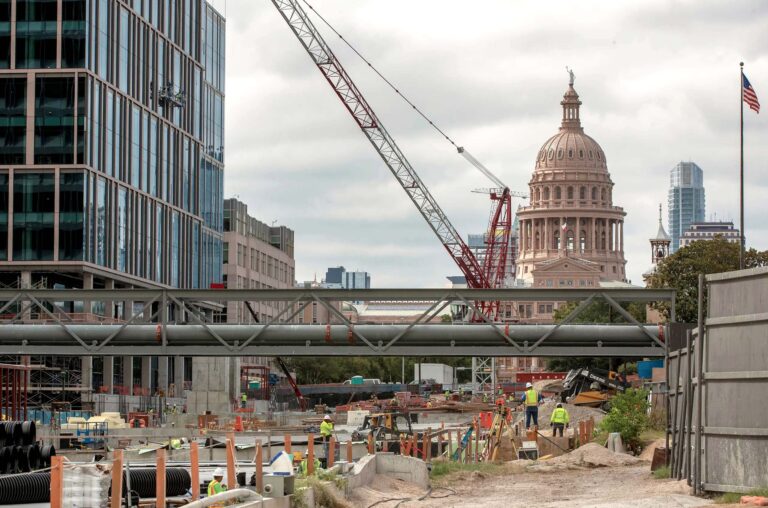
pixel 659 82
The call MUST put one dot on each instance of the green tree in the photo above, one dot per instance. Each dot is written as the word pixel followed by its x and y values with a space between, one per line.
pixel 680 271
pixel 628 416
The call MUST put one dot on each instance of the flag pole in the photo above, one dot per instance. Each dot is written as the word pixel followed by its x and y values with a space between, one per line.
pixel 741 170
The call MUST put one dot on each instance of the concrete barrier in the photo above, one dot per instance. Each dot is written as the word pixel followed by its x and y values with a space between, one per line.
pixel 408 469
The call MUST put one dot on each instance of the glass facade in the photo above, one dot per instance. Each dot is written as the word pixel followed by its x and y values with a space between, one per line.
pixel 686 200
pixel 119 160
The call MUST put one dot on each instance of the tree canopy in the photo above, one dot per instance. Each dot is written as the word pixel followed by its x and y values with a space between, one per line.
pixel 680 271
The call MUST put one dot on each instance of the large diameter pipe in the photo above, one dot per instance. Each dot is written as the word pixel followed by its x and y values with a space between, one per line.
pixel 333 335
pixel 222 497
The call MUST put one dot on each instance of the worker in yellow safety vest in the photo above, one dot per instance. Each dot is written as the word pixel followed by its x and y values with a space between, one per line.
pixel 303 467
pixel 531 399
pixel 216 487
pixel 243 399
pixel 326 431
pixel 559 420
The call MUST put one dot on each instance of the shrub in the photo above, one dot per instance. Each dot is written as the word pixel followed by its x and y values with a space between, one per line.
pixel 661 473
pixel 628 416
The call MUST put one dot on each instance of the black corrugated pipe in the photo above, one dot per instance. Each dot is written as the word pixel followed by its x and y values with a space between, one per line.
pixel 177 482
pixel 12 433
pixel 46 452
pixel 25 488
pixel 27 458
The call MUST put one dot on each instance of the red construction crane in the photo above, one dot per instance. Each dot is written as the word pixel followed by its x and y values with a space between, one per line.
pixel 488 275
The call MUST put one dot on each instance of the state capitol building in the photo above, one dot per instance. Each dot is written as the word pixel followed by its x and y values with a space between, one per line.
pixel 571 235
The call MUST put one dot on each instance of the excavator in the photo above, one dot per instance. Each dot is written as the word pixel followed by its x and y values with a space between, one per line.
pixel 592 387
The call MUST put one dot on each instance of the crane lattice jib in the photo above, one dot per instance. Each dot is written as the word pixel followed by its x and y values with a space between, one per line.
pixel 366 119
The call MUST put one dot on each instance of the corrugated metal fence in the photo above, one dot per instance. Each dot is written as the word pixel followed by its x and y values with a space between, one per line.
pixel 730 452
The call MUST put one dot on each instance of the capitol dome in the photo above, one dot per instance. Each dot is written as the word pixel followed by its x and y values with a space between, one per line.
pixel 570 148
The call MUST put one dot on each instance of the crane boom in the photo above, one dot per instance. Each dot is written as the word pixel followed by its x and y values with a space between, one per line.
pixel 385 146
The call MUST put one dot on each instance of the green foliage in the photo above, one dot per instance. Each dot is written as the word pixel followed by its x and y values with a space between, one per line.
pixel 600 311
pixel 628 416
pixel 680 271
pixel 661 473
pixel 446 318
pixel 389 369
pixel 628 368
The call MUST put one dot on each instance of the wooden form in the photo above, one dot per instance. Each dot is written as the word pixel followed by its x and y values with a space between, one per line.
pixel 259 460
pixel 160 478
pixel 57 481
pixel 194 466
pixel 116 500
pixel 310 454
pixel 231 473
pixel 331 458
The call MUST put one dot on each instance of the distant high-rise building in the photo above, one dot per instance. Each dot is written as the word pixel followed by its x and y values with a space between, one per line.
pixel 340 278
pixel 334 275
pixel 356 280
pixel 686 199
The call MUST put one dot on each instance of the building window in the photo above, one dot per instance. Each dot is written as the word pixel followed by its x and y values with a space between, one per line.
pixel 602 194
pixel 583 241
pixel 558 193
pixel 570 192
pixel 582 193
pixel 5 34
pixel 36 26
pixel 225 250
pixel 71 209
pixel 560 153
pixel 54 118
pixel 33 211
pixel 594 193
pixel 13 120
pixel 556 242
pixel 546 193
pixel 73 23
pixel 3 216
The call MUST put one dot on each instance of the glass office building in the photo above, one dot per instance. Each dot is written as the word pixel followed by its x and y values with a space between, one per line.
pixel 111 143
pixel 686 201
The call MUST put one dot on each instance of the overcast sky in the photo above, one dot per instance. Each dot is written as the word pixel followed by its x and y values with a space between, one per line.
pixel 659 82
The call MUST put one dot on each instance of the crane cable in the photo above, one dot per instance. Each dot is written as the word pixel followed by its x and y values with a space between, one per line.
pixel 392 86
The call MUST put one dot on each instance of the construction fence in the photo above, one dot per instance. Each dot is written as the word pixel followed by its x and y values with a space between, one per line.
pixel 717 413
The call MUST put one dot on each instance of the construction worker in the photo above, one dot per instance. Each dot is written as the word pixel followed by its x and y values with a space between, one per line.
pixel 216 487
pixel 531 400
pixel 326 431
pixel 303 466
pixel 243 399
pixel 559 419
pixel 485 398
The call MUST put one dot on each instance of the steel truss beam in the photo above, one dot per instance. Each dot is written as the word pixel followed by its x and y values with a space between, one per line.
pixel 180 325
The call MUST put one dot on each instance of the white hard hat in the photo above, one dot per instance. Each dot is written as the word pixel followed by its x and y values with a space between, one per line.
pixel 528 385
pixel 218 472
pixel 327 417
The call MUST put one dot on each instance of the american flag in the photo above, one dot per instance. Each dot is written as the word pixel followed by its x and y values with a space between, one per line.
pixel 565 224
pixel 750 97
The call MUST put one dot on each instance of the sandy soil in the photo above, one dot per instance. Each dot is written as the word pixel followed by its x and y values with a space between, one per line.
pixel 622 486
pixel 578 487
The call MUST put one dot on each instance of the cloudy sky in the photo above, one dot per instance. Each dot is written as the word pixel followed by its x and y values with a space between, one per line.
pixel 659 81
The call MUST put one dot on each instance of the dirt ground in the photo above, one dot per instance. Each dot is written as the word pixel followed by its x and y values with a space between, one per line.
pixel 601 487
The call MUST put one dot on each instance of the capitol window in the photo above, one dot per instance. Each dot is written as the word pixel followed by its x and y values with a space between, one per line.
pixel 570 192
pixel 551 154
pixel 590 154
pixel 581 154
pixel 570 154
pixel 558 193
pixel 560 153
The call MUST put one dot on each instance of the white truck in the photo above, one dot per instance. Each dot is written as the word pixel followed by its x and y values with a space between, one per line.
pixel 441 373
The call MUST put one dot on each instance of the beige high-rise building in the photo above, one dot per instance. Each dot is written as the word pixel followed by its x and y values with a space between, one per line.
pixel 571 235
